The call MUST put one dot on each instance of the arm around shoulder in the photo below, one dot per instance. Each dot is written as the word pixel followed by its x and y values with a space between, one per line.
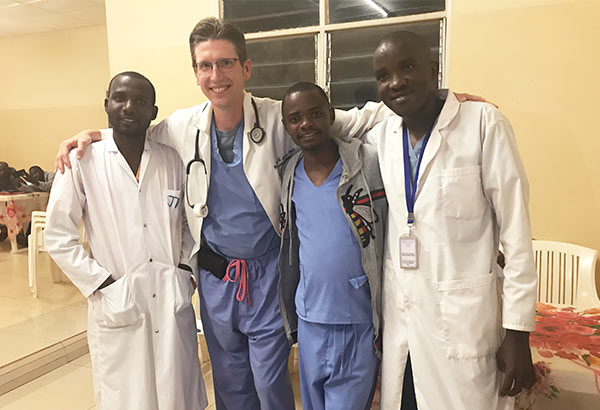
pixel 173 130
pixel 355 122
pixel 79 142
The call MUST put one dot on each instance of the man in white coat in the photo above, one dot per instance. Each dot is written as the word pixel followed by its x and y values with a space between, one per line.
pixel 128 191
pixel 456 189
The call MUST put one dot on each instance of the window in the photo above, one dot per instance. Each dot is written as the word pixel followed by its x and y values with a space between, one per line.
pixel 278 63
pixel 330 42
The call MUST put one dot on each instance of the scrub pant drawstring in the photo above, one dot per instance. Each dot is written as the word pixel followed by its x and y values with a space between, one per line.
pixel 241 273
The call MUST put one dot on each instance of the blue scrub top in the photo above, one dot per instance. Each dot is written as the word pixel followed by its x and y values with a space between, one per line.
pixel 237 225
pixel 413 156
pixel 333 287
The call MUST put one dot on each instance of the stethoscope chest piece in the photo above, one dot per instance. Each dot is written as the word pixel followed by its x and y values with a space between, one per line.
pixel 257 134
pixel 200 210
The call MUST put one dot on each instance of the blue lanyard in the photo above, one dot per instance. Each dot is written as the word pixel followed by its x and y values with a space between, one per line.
pixel 411 193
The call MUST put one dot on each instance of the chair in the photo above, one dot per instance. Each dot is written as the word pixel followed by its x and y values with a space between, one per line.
pixel 35 244
pixel 566 274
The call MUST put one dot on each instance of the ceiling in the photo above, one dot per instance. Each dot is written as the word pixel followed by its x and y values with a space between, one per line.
pixel 21 17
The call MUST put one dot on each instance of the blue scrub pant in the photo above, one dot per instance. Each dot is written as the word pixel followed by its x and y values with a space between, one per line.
pixel 338 366
pixel 247 344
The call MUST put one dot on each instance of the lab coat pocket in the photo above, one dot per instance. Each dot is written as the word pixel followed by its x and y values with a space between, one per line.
pixel 470 316
pixel 183 289
pixel 462 193
pixel 114 306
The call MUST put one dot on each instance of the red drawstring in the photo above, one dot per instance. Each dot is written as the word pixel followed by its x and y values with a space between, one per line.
pixel 240 267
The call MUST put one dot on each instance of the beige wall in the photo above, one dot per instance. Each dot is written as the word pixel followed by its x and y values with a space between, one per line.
pixel 538 60
pixel 155 43
pixel 52 85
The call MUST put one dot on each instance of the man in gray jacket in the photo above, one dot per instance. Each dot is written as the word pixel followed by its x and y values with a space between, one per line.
pixel 332 221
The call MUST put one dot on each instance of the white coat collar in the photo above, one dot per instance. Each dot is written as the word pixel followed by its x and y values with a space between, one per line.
pixel 111 145
pixel 449 111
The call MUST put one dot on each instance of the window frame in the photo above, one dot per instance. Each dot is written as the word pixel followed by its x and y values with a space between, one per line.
pixel 323 43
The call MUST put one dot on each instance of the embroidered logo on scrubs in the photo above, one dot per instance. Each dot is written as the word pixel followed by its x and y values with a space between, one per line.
pixel 172 201
pixel 355 205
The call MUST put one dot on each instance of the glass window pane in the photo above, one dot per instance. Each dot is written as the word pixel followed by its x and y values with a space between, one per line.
pixel 252 16
pixel 278 63
pixel 341 11
pixel 352 82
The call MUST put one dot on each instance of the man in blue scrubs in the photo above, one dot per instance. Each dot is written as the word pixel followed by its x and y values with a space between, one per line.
pixel 241 320
pixel 333 214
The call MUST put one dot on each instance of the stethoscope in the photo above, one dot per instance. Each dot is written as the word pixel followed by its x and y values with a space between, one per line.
pixel 198 205
pixel 257 133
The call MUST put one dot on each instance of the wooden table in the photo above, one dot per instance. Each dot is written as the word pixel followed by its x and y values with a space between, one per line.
pixel 566 351
pixel 15 212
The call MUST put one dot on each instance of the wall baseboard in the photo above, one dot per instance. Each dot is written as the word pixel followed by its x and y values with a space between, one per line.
pixel 32 366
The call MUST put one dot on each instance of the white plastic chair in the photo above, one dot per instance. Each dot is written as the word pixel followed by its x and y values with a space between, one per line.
pixel 35 244
pixel 566 274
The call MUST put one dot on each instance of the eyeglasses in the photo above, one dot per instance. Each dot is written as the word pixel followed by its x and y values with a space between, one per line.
pixel 223 64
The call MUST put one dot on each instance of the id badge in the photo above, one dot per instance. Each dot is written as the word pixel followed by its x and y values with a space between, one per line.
pixel 408 252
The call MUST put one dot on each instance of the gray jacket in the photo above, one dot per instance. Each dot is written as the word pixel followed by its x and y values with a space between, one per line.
pixel 362 199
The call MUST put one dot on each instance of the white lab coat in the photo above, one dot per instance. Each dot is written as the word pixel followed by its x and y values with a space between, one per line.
pixel 449 313
pixel 141 329
pixel 179 131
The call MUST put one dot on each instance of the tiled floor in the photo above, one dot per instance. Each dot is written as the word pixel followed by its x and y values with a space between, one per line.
pixel 66 388
pixel 70 388
pixel 28 324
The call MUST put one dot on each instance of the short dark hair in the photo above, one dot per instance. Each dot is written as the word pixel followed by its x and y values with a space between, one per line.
pixel 212 28
pixel 134 74
pixel 407 36
pixel 304 86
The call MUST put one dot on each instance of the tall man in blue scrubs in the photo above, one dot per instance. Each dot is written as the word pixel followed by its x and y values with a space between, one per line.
pixel 230 145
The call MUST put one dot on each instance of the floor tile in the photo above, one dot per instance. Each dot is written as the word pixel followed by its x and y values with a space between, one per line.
pixel 29 324
pixel 84 361
pixel 56 325
pixel 15 310
pixel 15 346
pixel 67 388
